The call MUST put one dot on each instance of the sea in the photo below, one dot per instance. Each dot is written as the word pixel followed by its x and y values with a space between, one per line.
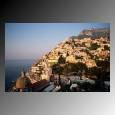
pixel 13 69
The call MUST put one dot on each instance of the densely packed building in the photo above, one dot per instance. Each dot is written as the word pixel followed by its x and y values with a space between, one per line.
pixel 86 50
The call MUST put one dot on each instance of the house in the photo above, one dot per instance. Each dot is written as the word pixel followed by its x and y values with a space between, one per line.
pixel 71 59
pixel 90 63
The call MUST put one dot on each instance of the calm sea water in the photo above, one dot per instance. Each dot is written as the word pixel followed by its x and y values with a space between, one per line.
pixel 13 69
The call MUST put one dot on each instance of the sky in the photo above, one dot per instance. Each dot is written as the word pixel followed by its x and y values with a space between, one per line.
pixel 33 40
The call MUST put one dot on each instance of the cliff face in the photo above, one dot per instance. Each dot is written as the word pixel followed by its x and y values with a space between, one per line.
pixel 74 50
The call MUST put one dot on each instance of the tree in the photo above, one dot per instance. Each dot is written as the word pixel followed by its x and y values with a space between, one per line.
pixel 78 57
pixel 103 64
pixel 57 69
pixel 106 47
pixel 94 46
pixel 66 69
pixel 94 71
pixel 61 60
pixel 81 66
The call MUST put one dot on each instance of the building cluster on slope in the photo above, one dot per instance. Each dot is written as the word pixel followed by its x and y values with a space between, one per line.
pixel 74 51
pixel 77 50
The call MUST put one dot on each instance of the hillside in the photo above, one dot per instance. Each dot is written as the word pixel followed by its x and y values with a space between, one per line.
pixel 82 57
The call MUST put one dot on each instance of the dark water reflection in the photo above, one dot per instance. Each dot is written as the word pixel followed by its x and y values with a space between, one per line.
pixel 13 69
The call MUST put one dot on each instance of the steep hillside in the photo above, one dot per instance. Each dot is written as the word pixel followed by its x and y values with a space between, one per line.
pixel 86 51
pixel 79 63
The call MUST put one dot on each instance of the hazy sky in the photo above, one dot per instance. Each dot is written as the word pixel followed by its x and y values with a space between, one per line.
pixel 32 40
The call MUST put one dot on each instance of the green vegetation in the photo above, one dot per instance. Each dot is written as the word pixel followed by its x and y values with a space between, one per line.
pixel 78 57
pixel 94 46
pixel 103 64
pixel 106 47
pixel 57 68
pixel 69 68
pixel 61 60
pixel 74 67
